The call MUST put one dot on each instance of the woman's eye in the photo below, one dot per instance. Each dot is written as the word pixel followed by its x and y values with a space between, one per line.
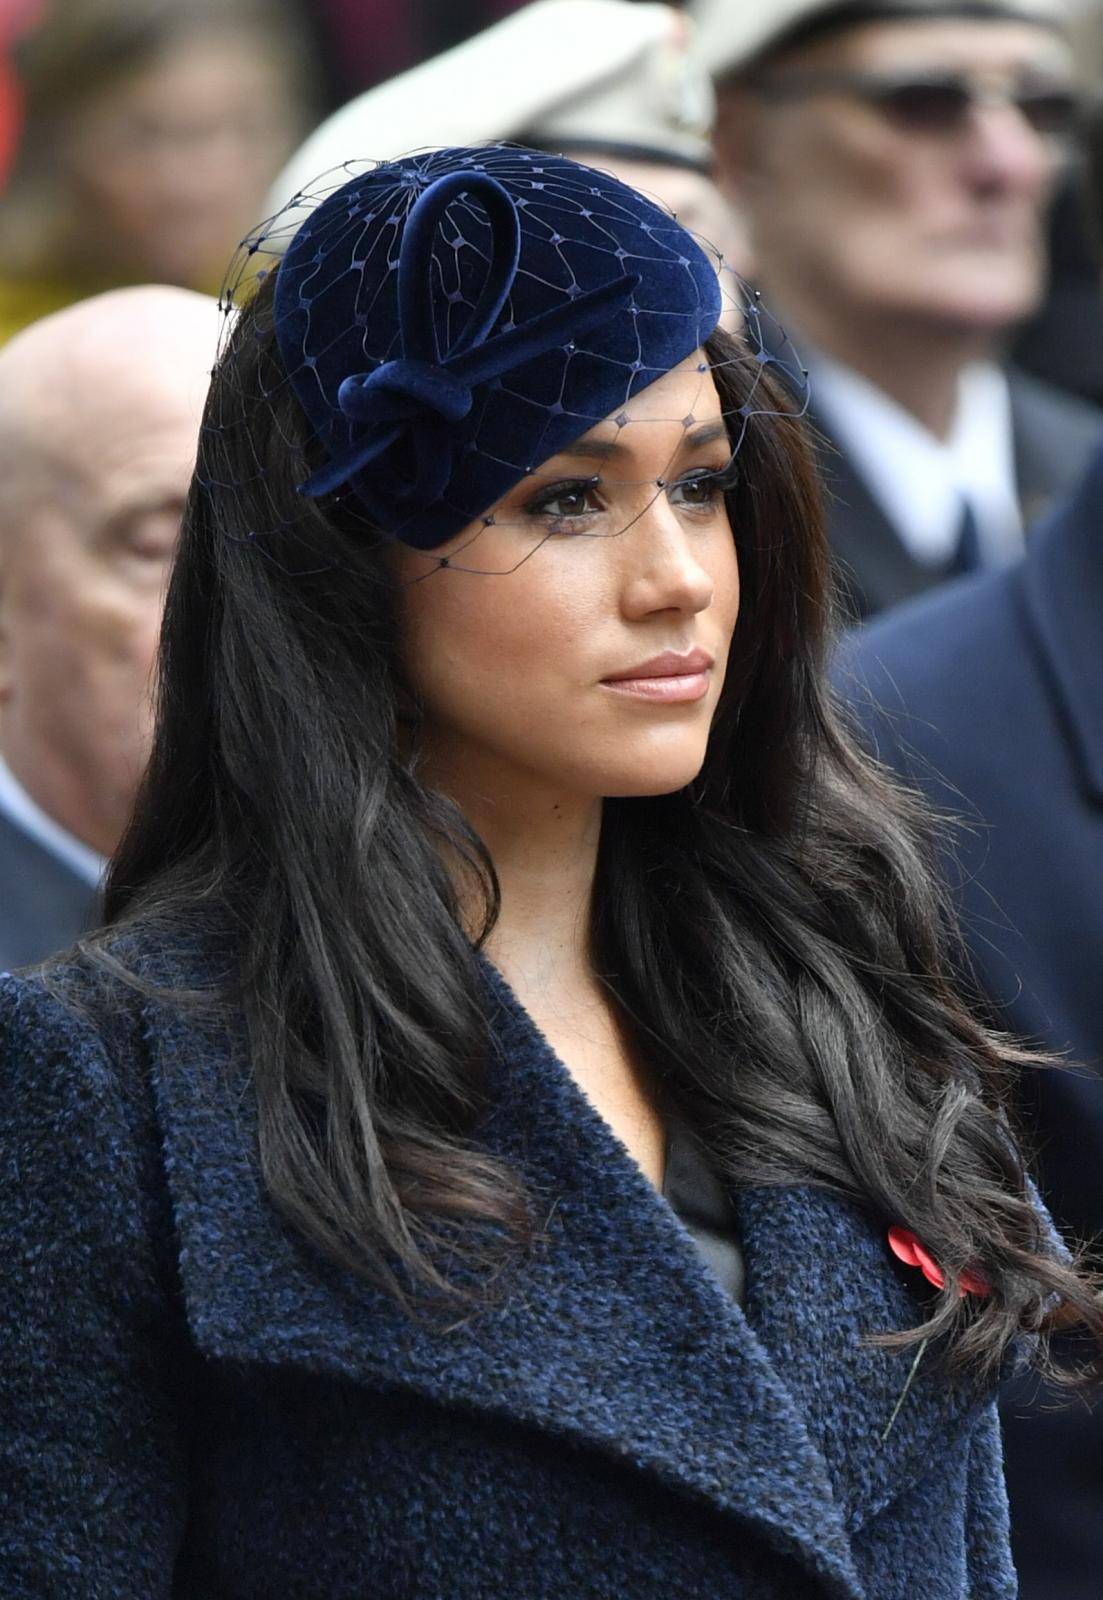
pixel 701 490
pixel 565 502
pixel 565 506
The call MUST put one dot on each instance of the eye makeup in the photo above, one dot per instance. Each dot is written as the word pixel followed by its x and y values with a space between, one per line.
pixel 585 492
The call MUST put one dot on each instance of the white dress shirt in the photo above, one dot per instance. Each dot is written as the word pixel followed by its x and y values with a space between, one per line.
pixel 920 481
pixel 17 805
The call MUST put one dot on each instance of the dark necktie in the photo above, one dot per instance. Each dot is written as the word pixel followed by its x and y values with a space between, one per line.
pixel 967 554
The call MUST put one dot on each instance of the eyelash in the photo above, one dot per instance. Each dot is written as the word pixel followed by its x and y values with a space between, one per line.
pixel 718 481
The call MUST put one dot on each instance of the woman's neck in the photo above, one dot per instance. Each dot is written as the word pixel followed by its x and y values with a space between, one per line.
pixel 544 848
pixel 546 866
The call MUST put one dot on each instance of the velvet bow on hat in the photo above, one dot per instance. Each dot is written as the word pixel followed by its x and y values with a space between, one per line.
pixel 450 320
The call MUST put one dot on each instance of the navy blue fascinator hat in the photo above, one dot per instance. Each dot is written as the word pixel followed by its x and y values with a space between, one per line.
pixel 451 320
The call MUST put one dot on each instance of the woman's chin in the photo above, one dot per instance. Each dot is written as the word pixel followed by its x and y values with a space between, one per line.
pixel 656 779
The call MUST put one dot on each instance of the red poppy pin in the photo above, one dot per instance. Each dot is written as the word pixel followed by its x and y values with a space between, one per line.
pixel 908 1248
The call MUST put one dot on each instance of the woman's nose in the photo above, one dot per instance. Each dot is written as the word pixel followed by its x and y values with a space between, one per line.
pixel 663 565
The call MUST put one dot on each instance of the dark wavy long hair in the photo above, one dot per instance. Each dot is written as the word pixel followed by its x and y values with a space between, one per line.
pixel 772 933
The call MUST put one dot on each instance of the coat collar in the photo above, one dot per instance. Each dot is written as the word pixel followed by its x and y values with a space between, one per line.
pixel 614 1333
pixel 1063 588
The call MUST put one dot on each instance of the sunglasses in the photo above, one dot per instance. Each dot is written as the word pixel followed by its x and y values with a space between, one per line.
pixel 933 102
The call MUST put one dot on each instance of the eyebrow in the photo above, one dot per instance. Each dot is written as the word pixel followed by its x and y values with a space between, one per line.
pixel 602 449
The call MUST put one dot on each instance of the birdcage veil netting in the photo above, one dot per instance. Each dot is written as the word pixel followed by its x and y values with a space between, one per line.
pixel 450 323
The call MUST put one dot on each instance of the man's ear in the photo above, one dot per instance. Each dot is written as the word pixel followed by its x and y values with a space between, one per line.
pixel 735 139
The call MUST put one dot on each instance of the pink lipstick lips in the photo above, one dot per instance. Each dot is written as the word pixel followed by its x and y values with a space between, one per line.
pixel 669 679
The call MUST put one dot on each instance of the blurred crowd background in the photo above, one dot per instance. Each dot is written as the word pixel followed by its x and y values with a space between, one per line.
pixel 916 186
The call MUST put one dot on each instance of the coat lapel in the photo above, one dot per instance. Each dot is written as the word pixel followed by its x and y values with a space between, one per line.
pixel 1055 437
pixel 613 1332
pixel 820 1278
pixel 1061 581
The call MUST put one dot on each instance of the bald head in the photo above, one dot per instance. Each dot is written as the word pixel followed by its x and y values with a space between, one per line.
pixel 99 417
pixel 94 376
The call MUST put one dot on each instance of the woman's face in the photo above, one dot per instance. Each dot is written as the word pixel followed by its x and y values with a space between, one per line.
pixel 595 666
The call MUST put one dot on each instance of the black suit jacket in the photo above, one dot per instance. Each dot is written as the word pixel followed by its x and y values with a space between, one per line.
pixel 989 695
pixel 44 905
pixel 1054 436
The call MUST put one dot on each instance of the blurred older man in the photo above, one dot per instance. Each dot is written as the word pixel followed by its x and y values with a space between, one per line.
pixel 987 698
pixel 99 416
pixel 893 160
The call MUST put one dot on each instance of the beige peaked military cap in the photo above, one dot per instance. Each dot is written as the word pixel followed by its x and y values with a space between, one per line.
pixel 733 33
pixel 602 73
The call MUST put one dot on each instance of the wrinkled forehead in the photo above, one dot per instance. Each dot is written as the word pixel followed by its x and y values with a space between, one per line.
pixel 127 450
pixel 77 499
pixel 135 436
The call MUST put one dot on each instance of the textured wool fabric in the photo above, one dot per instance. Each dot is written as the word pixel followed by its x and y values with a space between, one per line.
pixel 451 320
pixel 196 1406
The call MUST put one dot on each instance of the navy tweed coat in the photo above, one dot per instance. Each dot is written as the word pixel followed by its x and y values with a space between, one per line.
pixel 195 1405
